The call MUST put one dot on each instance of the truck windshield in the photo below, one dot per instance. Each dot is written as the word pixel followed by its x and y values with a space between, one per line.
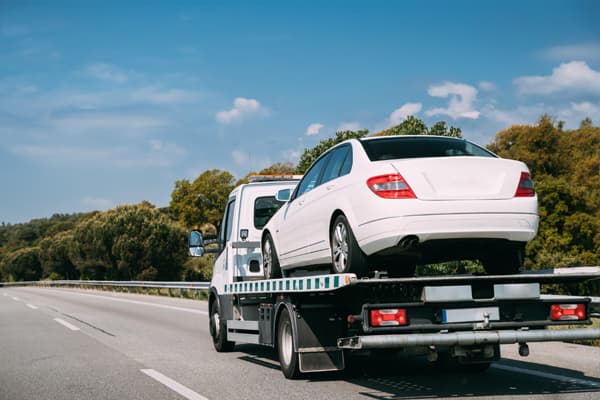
pixel 264 208
pixel 397 147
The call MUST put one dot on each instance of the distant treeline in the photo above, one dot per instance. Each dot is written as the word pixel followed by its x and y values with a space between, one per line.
pixel 141 242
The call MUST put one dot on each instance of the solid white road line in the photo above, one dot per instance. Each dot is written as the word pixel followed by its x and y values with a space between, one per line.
pixel 547 375
pixel 173 385
pixel 32 306
pixel 189 310
pixel 68 325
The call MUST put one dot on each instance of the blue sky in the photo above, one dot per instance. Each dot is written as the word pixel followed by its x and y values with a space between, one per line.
pixel 106 103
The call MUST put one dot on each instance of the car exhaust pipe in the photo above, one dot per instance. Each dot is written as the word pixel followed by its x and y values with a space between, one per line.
pixel 408 242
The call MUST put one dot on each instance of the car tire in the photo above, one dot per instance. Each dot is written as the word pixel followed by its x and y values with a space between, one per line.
pixel 218 330
pixel 346 255
pixel 270 260
pixel 288 357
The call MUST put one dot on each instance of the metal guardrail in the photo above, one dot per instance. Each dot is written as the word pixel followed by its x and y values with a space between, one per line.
pixel 137 286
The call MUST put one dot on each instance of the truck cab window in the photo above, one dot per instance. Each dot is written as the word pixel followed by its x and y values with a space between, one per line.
pixel 227 223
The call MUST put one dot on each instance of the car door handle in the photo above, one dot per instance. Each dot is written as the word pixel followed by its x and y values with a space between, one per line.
pixel 301 202
pixel 329 187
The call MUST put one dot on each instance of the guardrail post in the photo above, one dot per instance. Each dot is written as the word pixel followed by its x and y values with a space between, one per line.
pixel 170 292
pixel 147 290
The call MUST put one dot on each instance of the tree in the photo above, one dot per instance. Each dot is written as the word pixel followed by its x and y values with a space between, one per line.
pixel 22 265
pixel 54 257
pixel 414 126
pixel 310 155
pixel 129 243
pixel 203 200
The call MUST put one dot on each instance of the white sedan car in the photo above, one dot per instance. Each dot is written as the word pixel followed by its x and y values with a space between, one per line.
pixel 389 203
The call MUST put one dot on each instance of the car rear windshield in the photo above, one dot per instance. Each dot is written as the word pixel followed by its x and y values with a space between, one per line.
pixel 419 147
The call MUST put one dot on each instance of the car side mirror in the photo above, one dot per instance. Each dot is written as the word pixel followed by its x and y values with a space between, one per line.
pixel 196 244
pixel 284 195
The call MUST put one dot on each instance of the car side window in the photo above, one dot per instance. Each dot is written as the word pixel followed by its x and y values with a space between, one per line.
pixel 336 162
pixel 311 179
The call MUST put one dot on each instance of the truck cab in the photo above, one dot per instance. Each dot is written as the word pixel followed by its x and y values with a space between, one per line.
pixel 249 207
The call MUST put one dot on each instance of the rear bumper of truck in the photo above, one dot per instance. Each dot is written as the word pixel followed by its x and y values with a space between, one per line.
pixel 465 338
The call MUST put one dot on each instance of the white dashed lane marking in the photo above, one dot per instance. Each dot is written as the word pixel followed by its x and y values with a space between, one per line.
pixel 173 385
pixel 32 306
pixel 66 324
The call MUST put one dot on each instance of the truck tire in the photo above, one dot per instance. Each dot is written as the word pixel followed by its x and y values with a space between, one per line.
pixel 270 261
pixel 288 358
pixel 218 330
pixel 346 256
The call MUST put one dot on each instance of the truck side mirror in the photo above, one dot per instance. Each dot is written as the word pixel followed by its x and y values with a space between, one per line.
pixel 196 244
pixel 284 195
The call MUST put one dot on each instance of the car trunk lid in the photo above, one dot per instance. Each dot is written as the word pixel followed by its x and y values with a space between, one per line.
pixel 461 178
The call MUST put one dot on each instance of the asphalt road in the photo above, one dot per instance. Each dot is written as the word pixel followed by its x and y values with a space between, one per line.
pixel 72 344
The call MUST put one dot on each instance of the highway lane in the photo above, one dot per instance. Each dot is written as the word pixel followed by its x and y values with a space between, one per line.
pixel 135 346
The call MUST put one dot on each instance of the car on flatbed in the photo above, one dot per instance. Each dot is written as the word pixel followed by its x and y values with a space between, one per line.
pixel 390 203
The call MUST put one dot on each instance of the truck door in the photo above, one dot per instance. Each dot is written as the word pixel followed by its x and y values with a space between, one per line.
pixel 223 268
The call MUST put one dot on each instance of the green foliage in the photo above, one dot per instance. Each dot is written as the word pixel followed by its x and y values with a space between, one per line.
pixel 21 265
pixel 310 155
pixel 129 243
pixel 54 257
pixel 414 126
pixel 202 200
pixel 565 165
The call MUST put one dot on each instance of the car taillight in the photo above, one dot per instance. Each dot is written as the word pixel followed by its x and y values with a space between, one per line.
pixel 388 317
pixel 525 188
pixel 567 312
pixel 392 186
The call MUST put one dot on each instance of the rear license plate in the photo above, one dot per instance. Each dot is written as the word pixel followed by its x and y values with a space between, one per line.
pixel 470 314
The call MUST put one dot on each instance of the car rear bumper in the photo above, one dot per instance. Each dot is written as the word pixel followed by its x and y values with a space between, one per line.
pixel 377 235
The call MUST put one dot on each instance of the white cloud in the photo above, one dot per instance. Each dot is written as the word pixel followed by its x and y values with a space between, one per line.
pixel 154 154
pixel 574 77
pixel 106 124
pixel 96 203
pixel 401 113
pixel 314 129
pixel 240 158
pixel 107 72
pixel 517 116
pixel 348 126
pixel 576 112
pixel 581 51
pixel 487 86
pixel 156 95
pixel 461 96
pixel 242 108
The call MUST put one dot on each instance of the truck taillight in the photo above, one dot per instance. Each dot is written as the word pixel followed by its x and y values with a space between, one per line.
pixel 567 312
pixel 392 186
pixel 525 187
pixel 388 317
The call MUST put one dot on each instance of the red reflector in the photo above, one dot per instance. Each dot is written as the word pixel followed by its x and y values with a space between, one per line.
pixel 566 312
pixel 388 317
pixel 391 186
pixel 525 188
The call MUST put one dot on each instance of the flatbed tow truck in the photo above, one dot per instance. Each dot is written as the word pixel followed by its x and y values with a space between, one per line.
pixel 316 321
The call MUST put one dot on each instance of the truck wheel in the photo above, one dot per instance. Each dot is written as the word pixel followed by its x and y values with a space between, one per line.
pixel 218 330
pixel 288 358
pixel 345 254
pixel 270 261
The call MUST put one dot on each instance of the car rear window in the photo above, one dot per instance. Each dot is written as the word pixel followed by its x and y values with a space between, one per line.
pixel 420 147
pixel 264 208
